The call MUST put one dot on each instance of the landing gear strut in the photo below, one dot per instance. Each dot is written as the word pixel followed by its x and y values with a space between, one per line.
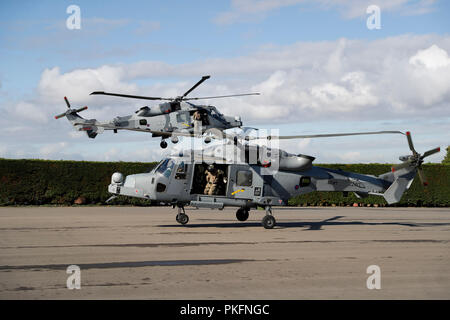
pixel 182 217
pixel 268 221
pixel 242 214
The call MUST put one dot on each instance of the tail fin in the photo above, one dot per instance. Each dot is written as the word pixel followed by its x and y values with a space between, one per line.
pixel 79 122
pixel 401 183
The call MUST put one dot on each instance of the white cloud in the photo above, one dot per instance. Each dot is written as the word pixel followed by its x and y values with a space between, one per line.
pixel 404 77
pixel 28 111
pixel 52 149
pixel 431 58
pixel 350 93
pixel 78 84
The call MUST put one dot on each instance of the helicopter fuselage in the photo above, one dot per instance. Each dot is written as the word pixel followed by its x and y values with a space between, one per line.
pixel 177 181
pixel 257 177
pixel 178 120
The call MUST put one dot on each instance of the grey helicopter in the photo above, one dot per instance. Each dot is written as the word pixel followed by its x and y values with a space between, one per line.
pixel 175 118
pixel 252 175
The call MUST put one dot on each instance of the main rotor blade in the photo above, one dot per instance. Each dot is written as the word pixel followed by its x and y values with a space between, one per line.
pixel 231 95
pixel 331 135
pixel 129 96
pixel 67 102
pixel 422 176
pixel 430 152
pixel 410 143
pixel 204 78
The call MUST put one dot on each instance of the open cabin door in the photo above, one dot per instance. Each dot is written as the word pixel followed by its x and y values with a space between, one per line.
pixel 199 181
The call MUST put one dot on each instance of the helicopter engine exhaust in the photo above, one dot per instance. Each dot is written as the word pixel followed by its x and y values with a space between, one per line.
pixel 296 162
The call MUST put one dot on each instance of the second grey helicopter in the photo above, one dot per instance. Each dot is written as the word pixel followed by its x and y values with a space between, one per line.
pixel 177 117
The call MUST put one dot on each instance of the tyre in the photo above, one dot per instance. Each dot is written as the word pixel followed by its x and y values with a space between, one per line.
pixel 182 218
pixel 242 214
pixel 268 222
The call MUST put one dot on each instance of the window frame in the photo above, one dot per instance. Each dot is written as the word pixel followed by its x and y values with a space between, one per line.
pixel 249 182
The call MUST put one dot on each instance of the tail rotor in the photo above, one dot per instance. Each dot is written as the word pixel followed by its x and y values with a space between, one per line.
pixel 415 160
pixel 69 110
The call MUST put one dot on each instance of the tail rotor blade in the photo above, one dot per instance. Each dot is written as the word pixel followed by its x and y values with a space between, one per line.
pixel 410 143
pixel 81 109
pixel 60 115
pixel 422 177
pixel 430 152
pixel 67 102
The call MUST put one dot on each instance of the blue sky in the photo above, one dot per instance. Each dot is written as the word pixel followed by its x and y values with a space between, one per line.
pixel 179 41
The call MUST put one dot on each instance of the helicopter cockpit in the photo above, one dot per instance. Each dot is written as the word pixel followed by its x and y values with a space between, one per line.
pixel 165 167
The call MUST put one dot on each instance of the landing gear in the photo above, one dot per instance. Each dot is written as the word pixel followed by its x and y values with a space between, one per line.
pixel 242 214
pixel 182 217
pixel 163 144
pixel 268 221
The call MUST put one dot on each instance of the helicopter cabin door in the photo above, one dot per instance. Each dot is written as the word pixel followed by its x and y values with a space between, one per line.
pixel 183 120
pixel 244 182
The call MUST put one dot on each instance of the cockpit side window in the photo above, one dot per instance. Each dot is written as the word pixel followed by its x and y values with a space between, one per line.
pixel 162 166
pixel 181 171
pixel 169 168
pixel 214 111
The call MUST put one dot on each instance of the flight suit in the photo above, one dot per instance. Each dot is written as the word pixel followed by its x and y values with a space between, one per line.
pixel 197 122
pixel 212 181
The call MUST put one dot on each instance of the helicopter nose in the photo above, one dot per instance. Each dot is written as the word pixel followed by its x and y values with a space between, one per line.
pixel 135 185
pixel 234 121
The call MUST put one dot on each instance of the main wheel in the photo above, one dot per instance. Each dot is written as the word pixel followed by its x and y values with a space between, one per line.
pixel 163 144
pixel 268 222
pixel 182 218
pixel 242 214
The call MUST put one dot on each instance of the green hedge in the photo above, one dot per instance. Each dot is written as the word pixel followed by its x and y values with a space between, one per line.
pixel 38 182
pixel 41 182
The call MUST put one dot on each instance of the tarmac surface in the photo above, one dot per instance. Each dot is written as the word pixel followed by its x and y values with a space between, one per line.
pixel 142 253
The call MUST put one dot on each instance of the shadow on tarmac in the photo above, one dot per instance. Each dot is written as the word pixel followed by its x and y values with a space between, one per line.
pixel 304 224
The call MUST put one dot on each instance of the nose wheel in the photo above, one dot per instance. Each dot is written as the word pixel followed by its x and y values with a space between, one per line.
pixel 163 144
pixel 182 217
pixel 242 214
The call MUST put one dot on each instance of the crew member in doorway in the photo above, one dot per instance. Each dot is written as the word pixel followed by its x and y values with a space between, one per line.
pixel 213 178
pixel 197 122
